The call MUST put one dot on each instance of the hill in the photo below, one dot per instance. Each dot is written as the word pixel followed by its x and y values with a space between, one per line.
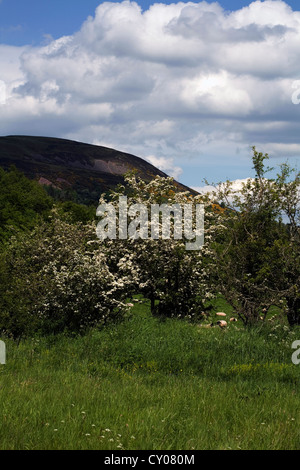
pixel 78 170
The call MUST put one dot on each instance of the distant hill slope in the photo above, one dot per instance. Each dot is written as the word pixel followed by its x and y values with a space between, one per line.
pixel 74 167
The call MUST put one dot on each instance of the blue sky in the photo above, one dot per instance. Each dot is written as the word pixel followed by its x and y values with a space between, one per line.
pixel 188 86
pixel 28 21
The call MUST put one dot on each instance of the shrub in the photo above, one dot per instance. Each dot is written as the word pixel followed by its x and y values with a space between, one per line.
pixel 55 279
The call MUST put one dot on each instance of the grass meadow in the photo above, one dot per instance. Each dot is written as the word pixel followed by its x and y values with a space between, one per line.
pixel 152 384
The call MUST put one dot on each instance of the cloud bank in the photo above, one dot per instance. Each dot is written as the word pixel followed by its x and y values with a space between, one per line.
pixel 178 84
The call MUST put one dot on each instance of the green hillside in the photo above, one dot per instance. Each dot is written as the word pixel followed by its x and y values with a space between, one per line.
pixel 74 170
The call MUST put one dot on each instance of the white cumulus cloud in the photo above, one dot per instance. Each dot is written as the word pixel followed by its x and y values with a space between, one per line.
pixel 177 82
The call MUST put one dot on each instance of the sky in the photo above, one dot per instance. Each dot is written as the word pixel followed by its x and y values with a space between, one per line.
pixel 188 86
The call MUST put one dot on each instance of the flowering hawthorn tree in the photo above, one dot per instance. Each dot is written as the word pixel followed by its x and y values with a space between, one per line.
pixel 57 279
pixel 177 281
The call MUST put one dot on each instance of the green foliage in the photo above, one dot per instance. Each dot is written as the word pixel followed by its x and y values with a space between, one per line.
pixel 23 203
pixel 258 255
pixel 61 195
pixel 75 212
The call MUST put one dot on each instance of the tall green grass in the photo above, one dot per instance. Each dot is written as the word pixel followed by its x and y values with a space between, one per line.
pixel 152 384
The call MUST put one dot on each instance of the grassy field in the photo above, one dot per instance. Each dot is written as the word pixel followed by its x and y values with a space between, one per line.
pixel 148 384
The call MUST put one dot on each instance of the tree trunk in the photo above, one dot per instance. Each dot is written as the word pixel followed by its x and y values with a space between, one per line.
pixel 293 313
pixel 152 300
